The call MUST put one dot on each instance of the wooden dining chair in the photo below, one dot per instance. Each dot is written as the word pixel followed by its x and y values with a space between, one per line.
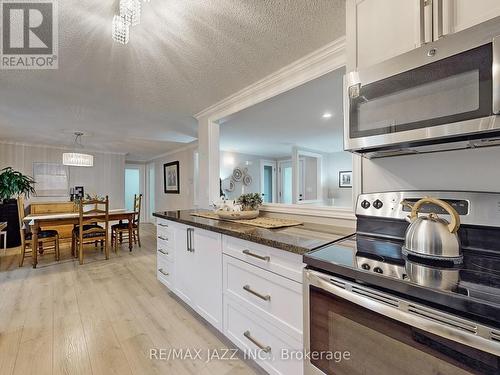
pixel 92 213
pixel 120 230
pixel 45 237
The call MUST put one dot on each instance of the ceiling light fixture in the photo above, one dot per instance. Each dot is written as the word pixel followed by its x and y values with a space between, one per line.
pixel 76 159
pixel 327 115
pixel 130 10
pixel 130 15
pixel 121 30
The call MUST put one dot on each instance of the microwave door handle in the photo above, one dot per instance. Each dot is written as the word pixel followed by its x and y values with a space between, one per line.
pixel 496 75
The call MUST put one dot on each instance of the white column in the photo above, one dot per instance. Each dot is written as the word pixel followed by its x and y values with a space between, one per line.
pixel 208 148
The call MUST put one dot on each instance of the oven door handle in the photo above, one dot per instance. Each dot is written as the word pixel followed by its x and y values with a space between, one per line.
pixel 416 315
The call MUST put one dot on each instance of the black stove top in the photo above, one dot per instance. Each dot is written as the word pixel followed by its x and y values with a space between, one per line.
pixel 471 288
pixel 374 255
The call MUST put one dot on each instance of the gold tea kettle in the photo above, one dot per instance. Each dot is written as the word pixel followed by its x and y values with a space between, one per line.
pixel 431 236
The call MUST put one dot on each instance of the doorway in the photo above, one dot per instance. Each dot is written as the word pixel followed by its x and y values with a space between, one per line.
pixel 134 185
pixel 285 181
pixel 268 181
pixel 151 192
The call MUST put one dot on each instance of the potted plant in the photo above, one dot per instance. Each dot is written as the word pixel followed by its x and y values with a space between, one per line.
pixel 246 207
pixel 13 184
pixel 250 202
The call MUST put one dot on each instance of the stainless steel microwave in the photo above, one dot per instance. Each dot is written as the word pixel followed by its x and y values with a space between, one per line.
pixel 444 95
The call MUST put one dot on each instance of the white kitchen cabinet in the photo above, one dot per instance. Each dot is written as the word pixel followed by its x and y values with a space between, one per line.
pixel 462 14
pixel 272 349
pixel 165 272
pixel 380 29
pixel 377 30
pixel 250 292
pixel 184 285
pixel 276 299
pixel 165 253
pixel 207 275
pixel 281 262
pixel 263 303
pixel 190 265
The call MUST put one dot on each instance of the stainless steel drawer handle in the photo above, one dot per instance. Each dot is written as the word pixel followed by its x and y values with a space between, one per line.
pixel 163 225
pixel 163 238
pixel 248 252
pixel 266 349
pixel 163 252
pixel 163 272
pixel 261 296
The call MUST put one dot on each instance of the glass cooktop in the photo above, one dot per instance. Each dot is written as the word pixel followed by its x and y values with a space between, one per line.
pixel 477 277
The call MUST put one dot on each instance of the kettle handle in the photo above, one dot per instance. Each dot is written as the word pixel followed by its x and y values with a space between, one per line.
pixel 455 218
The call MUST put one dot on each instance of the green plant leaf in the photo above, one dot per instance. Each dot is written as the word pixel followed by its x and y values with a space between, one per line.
pixel 14 184
pixel 251 201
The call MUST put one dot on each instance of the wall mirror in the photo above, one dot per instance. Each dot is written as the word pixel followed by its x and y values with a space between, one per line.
pixel 289 148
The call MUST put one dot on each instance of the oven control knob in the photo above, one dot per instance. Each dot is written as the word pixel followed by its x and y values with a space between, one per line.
pixel 378 270
pixel 365 266
pixel 365 204
pixel 378 204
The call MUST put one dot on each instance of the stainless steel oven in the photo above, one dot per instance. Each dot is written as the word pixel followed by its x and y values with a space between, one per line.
pixel 443 95
pixel 351 329
pixel 371 308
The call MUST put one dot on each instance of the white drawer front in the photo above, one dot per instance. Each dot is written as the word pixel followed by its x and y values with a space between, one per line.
pixel 165 254
pixel 261 341
pixel 278 261
pixel 165 245
pixel 164 272
pixel 164 234
pixel 274 298
pixel 165 237
pixel 162 223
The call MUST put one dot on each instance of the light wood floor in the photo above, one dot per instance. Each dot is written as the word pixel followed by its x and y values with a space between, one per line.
pixel 99 318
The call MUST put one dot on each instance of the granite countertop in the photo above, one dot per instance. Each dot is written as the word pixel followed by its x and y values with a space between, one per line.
pixel 298 239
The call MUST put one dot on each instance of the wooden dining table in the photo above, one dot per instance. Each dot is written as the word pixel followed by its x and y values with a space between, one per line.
pixel 39 221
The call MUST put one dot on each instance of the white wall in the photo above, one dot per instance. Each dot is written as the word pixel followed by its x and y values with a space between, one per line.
pixel 184 200
pixel 106 177
pixel 476 169
pixel 336 162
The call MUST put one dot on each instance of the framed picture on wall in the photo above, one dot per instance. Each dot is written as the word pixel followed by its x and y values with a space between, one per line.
pixel 345 179
pixel 171 180
pixel 51 179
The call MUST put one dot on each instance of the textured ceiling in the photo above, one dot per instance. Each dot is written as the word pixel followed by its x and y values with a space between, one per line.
pixel 184 56
pixel 294 118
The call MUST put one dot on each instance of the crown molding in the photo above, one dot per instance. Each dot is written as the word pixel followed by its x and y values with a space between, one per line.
pixel 191 145
pixel 324 60
pixel 66 148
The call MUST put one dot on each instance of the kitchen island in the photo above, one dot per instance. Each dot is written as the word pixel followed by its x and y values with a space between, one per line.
pixel 243 280
pixel 297 239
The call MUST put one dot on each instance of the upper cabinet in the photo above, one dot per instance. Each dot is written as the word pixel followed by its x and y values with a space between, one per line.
pixel 462 14
pixel 380 29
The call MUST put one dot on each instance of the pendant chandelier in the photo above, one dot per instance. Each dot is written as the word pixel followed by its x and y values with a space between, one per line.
pixel 130 15
pixel 76 159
